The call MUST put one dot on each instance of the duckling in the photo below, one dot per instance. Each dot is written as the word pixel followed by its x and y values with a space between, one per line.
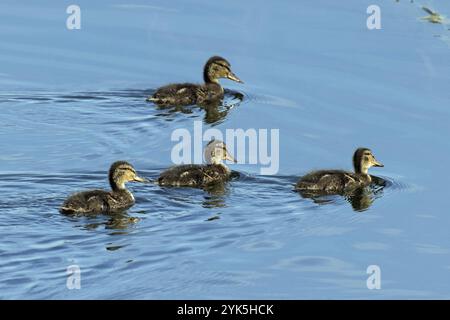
pixel 100 201
pixel 197 175
pixel 188 93
pixel 338 181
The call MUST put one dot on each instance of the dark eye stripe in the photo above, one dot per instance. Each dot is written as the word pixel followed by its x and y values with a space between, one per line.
pixel 223 65
pixel 128 168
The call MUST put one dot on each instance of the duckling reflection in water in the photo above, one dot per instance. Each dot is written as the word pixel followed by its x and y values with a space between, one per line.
pixel 201 176
pixel 211 91
pixel 360 198
pixel 119 222
pixel 101 201
pixel 339 182
pixel 216 195
pixel 215 111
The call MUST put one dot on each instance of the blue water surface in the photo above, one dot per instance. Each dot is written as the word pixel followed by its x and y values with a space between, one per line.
pixel 73 101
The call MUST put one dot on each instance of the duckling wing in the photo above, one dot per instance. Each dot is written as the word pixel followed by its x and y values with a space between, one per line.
pixel 215 174
pixel 324 180
pixel 183 175
pixel 176 94
pixel 93 201
pixel 192 175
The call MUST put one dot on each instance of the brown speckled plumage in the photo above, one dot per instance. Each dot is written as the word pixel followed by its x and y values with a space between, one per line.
pixel 179 94
pixel 101 201
pixel 192 175
pixel 200 175
pixel 339 181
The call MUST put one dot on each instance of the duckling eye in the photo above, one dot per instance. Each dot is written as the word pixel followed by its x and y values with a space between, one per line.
pixel 220 67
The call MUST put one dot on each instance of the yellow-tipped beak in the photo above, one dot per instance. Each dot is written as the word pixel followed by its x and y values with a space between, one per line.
pixel 139 179
pixel 376 163
pixel 233 77
pixel 230 157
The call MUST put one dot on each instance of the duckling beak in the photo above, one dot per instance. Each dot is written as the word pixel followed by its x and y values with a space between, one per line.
pixel 230 157
pixel 375 163
pixel 139 179
pixel 233 77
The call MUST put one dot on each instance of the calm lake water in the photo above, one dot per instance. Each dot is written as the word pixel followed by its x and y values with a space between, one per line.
pixel 73 101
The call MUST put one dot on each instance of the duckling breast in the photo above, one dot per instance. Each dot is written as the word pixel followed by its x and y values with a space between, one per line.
pixel 210 92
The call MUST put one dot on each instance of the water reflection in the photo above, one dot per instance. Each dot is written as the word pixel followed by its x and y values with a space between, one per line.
pixel 215 112
pixel 215 195
pixel 119 222
pixel 360 199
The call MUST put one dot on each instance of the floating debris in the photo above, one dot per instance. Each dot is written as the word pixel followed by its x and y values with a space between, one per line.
pixel 434 16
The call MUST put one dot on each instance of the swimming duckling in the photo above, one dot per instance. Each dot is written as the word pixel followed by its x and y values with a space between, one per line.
pixel 100 201
pixel 188 93
pixel 198 175
pixel 338 181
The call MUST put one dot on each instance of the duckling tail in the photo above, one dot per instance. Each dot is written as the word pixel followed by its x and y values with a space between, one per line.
pixel 66 210
pixel 152 99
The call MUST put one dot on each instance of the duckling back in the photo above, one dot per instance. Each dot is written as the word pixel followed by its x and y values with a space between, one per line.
pixel 176 94
pixel 330 181
pixel 211 92
pixel 192 175
pixel 97 201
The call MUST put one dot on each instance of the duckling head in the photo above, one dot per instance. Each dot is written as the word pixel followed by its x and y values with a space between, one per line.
pixel 363 159
pixel 217 67
pixel 122 172
pixel 216 151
